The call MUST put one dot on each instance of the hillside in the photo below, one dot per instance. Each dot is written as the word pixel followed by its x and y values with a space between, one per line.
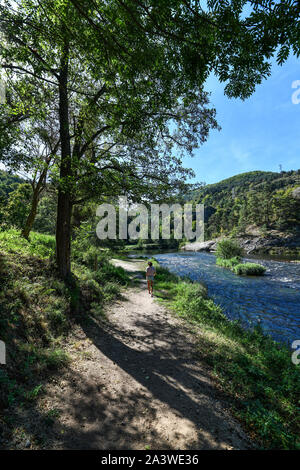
pixel 264 201
pixel 8 183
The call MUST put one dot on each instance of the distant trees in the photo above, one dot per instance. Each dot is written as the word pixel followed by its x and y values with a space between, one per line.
pixel 18 206
pixel 261 204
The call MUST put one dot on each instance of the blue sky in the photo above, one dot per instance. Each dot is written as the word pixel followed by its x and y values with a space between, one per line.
pixel 257 134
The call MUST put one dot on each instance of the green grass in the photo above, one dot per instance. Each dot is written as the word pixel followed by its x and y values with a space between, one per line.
pixel 39 245
pixel 249 269
pixel 246 269
pixel 38 310
pixel 249 366
pixel 228 263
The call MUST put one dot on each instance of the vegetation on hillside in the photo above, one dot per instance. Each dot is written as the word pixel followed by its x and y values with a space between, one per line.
pixel 259 198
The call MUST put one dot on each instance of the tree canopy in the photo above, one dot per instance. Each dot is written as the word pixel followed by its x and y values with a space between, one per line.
pixel 123 84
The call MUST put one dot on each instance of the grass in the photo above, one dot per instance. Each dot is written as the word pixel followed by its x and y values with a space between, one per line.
pixel 38 311
pixel 249 269
pixel 255 371
pixel 228 263
pixel 39 245
pixel 246 269
pixel 229 256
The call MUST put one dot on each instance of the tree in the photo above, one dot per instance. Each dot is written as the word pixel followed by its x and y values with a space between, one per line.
pixel 18 205
pixel 119 68
pixel 116 135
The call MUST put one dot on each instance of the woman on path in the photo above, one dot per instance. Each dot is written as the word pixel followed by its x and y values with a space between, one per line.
pixel 150 273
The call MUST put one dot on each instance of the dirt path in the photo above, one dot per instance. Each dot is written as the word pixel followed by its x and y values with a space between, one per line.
pixel 135 384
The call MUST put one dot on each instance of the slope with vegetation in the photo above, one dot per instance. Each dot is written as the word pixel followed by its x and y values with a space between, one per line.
pixel 258 204
pixel 38 310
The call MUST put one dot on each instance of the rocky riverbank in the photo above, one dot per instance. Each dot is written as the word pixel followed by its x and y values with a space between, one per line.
pixel 273 242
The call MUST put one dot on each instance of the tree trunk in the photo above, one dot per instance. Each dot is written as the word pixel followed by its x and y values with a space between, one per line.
pixel 31 217
pixel 34 203
pixel 64 205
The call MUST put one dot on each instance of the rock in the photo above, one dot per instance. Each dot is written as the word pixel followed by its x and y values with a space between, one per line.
pixel 27 444
pixel 200 246
pixel 296 193
pixel 273 241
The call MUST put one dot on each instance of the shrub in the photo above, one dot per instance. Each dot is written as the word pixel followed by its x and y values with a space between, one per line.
pixel 108 272
pixel 228 263
pixel 249 269
pixel 228 249
pixel 111 290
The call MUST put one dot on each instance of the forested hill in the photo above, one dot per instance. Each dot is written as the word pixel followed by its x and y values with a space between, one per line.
pixel 266 199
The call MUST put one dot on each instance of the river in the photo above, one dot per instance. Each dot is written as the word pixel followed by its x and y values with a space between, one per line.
pixel 273 300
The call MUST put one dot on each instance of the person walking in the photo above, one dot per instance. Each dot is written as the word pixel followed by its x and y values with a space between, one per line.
pixel 150 273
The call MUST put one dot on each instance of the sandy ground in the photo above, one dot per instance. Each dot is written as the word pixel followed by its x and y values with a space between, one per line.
pixel 135 384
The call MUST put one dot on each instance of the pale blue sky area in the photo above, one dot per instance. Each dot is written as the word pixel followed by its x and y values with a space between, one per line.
pixel 257 134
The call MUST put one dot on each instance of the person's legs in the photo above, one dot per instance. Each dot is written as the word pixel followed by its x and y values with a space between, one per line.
pixel 151 288
pixel 148 282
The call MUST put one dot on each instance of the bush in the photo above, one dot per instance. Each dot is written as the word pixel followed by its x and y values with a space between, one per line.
pixel 228 263
pixel 249 269
pixel 228 249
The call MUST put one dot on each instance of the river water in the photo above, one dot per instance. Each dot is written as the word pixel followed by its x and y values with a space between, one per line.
pixel 273 300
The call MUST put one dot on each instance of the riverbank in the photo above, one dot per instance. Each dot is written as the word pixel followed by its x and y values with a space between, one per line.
pixel 252 369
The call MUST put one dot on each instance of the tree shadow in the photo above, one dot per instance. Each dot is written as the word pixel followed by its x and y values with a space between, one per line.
pixel 169 375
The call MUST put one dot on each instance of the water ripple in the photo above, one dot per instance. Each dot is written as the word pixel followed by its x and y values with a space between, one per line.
pixel 272 300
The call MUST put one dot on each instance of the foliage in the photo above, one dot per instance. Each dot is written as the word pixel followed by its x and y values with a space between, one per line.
pixel 228 249
pixel 8 183
pixel 229 256
pixel 249 269
pixel 121 112
pixel 40 245
pixel 228 263
pixel 38 308
pixel 18 203
pixel 257 198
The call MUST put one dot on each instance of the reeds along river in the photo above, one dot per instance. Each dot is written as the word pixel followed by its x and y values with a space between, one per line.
pixel 273 300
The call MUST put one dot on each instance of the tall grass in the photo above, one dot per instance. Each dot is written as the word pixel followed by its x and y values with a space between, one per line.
pixel 39 244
